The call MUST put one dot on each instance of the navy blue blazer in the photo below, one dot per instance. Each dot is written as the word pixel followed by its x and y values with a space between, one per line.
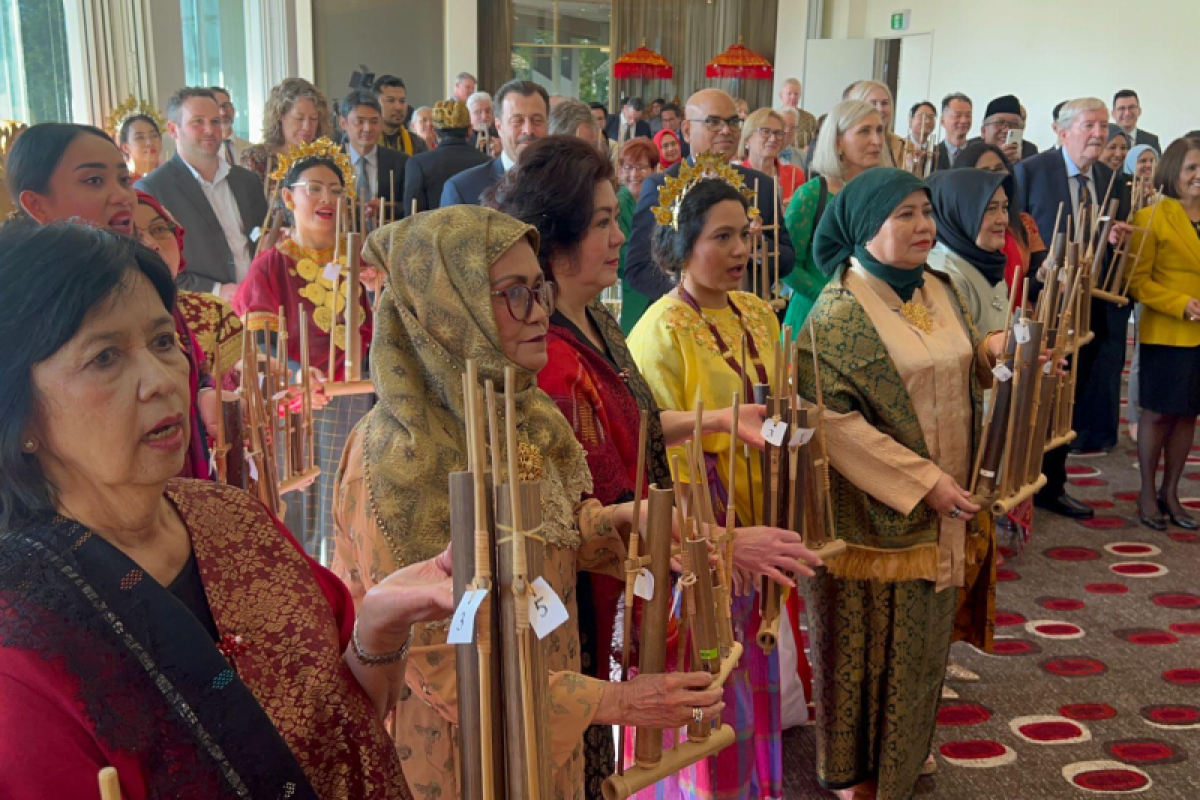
pixel 1041 184
pixel 612 127
pixel 640 270
pixel 467 187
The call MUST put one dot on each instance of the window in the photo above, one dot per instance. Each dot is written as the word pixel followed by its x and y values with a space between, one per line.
pixel 564 46
pixel 215 51
pixel 35 61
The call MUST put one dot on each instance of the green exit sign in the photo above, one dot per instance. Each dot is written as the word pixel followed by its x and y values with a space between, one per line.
pixel 900 20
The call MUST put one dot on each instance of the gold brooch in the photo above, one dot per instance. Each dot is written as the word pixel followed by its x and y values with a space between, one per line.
pixel 674 189
pixel 918 316
pixel 529 462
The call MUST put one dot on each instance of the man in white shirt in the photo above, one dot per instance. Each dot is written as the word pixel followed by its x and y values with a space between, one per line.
pixel 232 145
pixel 956 123
pixel 220 205
pixel 1126 111
pixel 629 123
pixel 378 171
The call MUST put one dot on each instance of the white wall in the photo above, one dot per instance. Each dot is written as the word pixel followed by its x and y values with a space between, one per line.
pixel 1046 51
pixel 791 43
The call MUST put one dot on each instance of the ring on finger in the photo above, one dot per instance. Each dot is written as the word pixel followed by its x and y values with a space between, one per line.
pixel 698 715
pixel 955 512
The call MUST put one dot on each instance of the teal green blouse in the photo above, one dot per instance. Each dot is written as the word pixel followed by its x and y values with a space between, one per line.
pixel 805 279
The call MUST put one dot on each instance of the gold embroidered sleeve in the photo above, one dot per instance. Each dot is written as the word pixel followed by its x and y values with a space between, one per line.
pixel 602 549
pixel 574 699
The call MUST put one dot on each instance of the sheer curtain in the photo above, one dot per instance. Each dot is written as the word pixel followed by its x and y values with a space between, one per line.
pixel 689 33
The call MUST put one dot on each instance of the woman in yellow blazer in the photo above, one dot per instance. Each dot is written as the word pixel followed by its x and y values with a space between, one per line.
pixel 1166 281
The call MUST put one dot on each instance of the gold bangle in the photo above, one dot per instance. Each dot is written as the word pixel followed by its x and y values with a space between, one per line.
pixel 371 660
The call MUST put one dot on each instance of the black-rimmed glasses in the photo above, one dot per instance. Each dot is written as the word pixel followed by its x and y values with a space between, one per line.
pixel 520 297
pixel 715 124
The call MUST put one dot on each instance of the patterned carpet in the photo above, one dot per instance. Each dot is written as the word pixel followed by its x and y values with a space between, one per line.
pixel 1094 688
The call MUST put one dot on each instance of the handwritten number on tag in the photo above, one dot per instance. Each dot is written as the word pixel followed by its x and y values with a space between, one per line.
pixel 1021 331
pixel 774 431
pixel 462 627
pixel 546 610
pixel 1002 372
pixel 801 437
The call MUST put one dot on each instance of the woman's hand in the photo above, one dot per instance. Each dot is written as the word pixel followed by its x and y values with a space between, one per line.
pixel 994 345
pixel 951 500
pixel 1118 232
pixel 772 551
pixel 209 407
pixel 1191 311
pixel 750 421
pixel 659 701
pixel 421 592
pixel 741 581
pixel 371 278
pixel 317 382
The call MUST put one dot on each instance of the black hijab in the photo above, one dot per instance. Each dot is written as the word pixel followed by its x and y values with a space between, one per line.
pixel 960 198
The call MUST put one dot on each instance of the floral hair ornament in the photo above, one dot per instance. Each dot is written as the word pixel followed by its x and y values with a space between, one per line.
pixel 706 166
pixel 321 148
pixel 132 107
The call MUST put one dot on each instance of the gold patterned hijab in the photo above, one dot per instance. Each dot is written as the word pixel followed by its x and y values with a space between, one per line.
pixel 435 313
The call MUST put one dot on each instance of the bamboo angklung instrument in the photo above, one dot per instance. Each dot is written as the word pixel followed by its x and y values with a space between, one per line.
pixel 298 457
pixel 777 303
pixel 1116 285
pixel 991 449
pixel 478 676
pixel 820 534
pixel 773 463
pixel 257 375
pixel 272 224
pixel 634 564
pixel 110 784
pixel 352 381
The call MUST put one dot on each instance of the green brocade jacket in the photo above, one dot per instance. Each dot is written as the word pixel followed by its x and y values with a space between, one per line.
pixel 858 374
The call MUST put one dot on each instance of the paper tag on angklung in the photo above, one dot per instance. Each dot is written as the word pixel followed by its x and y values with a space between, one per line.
pixel 1021 332
pixel 255 234
pixel 332 270
pixel 1048 367
pixel 1002 372
pixel 643 585
pixel 801 437
pixel 462 626
pixel 774 431
pixel 253 466
pixel 546 610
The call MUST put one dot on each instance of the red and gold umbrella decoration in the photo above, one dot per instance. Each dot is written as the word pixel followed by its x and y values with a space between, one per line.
pixel 739 62
pixel 642 63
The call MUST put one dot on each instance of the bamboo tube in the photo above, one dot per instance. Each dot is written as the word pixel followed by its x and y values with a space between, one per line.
pixel 632 567
pixel 682 522
pixel 991 451
pixel 306 370
pixel 655 614
pixel 221 448
pixel 110 784
pixel 285 426
pixel 1029 374
pixel 353 370
pixel 235 432
pixel 621 787
pixel 746 448
pixel 269 219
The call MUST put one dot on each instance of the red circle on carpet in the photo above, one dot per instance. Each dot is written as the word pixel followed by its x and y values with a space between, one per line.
pixel 1003 575
pixel 1184 537
pixel 964 714
pixel 972 749
pixel 1132 549
pixel 1060 603
pixel 1126 497
pixel 1005 619
pixel 1057 629
pixel 1080 469
pixel 1071 554
pixel 1051 731
pixel 1172 714
pixel 1141 751
pixel 1146 636
pixel 1087 712
pixel 1176 600
pixel 1088 483
pixel 1186 628
pixel 1014 647
pixel 1106 588
pixel 1110 780
pixel 1100 503
pixel 1185 676
pixel 1136 569
pixel 1074 667
pixel 1104 523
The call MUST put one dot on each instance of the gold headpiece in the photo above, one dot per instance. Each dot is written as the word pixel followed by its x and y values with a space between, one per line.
pixel 132 107
pixel 321 148
pixel 451 114
pixel 708 165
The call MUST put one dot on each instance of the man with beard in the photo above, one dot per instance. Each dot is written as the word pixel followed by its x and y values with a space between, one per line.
pixel 393 99
pixel 524 118
pixel 712 125
pixel 956 122
pixel 1074 178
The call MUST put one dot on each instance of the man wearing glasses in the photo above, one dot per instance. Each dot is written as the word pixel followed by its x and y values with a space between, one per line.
pixel 1126 112
pixel 1004 115
pixel 711 124
pixel 232 145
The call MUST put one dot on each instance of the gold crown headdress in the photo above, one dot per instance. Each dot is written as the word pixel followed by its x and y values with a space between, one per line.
pixel 451 114
pixel 132 107
pixel 321 148
pixel 674 189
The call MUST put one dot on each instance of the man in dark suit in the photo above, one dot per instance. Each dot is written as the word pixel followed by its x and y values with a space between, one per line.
pixel 426 174
pixel 378 171
pixel 1003 115
pixel 524 110
pixel 629 124
pixel 1074 178
pixel 221 205
pixel 1126 112
pixel 956 124
pixel 712 125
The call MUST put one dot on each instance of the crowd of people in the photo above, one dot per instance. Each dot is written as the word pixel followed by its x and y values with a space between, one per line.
pixel 506 228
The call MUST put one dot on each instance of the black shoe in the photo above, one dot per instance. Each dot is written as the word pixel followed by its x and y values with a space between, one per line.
pixel 1065 505
pixel 1184 520
pixel 1156 523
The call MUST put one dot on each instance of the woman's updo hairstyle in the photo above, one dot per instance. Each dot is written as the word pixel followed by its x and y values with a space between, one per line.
pixel 553 188
pixel 305 164
pixel 37 153
pixel 672 248
pixel 123 134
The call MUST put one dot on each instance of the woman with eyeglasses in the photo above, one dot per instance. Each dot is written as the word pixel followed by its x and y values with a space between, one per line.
pixel 294 275
pixel 638 160
pixel 140 141
pixel 465 282
pixel 763 137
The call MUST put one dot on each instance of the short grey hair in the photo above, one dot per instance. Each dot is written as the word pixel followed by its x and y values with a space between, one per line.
pixel 1074 108
pixel 568 115
pixel 842 117
pixel 463 76
pixel 478 98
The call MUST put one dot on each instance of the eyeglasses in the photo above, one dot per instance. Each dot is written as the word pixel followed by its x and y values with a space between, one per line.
pixel 160 231
pixel 771 133
pixel 645 169
pixel 715 124
pixel 314 189
pixel 521 297
pixel 146 138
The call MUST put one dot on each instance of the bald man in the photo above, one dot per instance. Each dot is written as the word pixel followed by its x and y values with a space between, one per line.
pixel 711 124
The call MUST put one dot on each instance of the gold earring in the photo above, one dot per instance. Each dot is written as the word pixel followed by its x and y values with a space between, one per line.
pixel 290 206
pixel 30 445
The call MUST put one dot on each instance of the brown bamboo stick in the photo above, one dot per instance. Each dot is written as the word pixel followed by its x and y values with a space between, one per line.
pixel 655 614
pixel 632 568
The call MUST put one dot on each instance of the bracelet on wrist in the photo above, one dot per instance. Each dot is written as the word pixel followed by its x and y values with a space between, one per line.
pixel 373 660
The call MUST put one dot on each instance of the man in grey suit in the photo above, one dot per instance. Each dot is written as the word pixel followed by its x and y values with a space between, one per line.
pixel 220 205
pixel 1126 111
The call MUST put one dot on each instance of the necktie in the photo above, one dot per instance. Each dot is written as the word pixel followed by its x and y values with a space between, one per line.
pixel 1084 202
pixel 364 183
pixel 229 152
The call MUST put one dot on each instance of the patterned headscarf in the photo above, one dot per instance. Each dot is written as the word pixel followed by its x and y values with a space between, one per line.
pixel 435 313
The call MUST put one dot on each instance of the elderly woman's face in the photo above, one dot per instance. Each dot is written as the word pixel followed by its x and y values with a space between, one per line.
pixel 905 239
pixel 633 171
pixel 300 123
pixel 994 223
pixel 766 141
pixel 670 149
pixel 158 234
pixel 1146 163
pixel 517 288
pixel 1115 152
pixel 718 259
pixel 90 184
pixel 111 407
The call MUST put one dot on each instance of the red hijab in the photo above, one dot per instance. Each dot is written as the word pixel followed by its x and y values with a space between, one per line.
pixel 663 162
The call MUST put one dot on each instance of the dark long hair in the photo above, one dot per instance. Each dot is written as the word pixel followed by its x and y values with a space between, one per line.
pixel 54 276
pixel 123 134
pixel 672 248
pixel 1166 174
pixel 553 188
pixel 37 153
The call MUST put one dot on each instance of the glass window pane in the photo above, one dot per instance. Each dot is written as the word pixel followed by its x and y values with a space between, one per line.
pixel 214 51
pixel 564 46
pixel 534 21
pixel 584 22
pixel 35 66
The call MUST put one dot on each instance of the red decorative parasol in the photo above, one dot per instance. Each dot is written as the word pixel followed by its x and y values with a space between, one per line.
pixel 642 63
pixel 738 62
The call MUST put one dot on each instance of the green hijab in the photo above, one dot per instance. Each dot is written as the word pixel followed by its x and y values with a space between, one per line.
pixel 856 215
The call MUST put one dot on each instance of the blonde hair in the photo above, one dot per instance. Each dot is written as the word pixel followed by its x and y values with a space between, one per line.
pixel 280 101
pixel 755 121
pixel 862 89
pixel 842 117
